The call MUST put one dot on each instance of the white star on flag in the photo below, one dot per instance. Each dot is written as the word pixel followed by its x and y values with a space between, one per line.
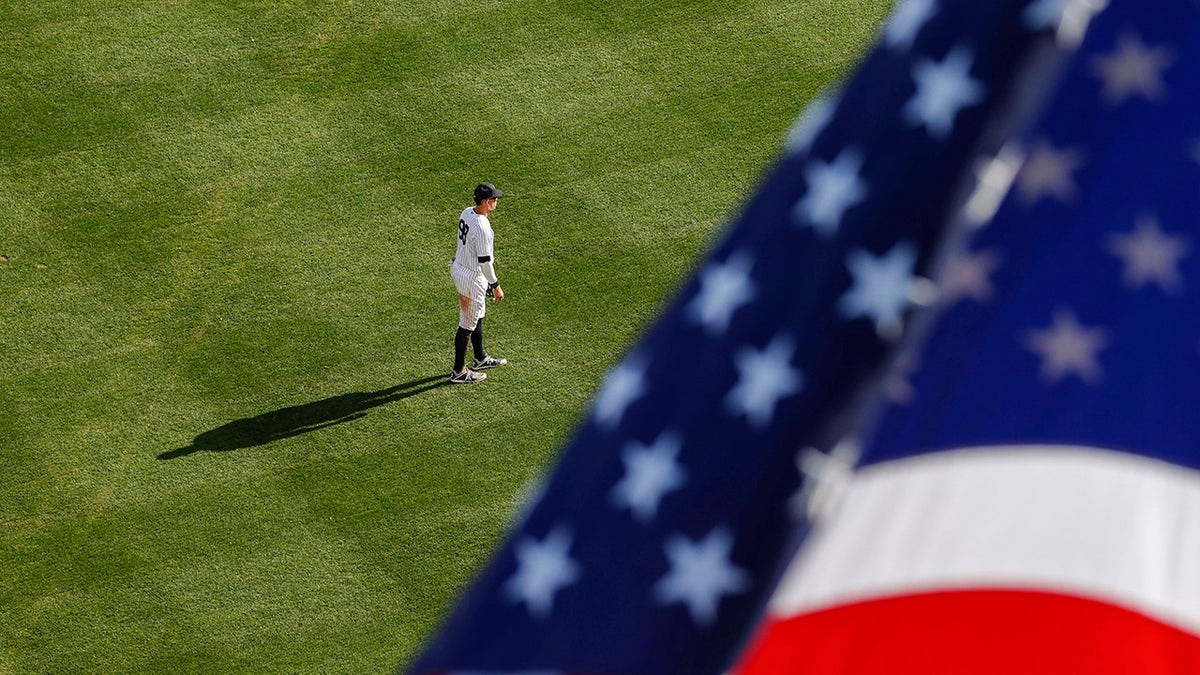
pixel 943 89
pixel 968 276
pixel 1067 348
pixel 701 573
pixel 993 180
pixel 724 288
pixel 651 471
pixel 824 479
pixel 1150 255
pixel 907 21
pixel 1133 68
pixel 1048 173
pixel 543 568
pixel 833 187
pixel 1044 14
pixel 882 287
pixel 764 378
pixel 621 388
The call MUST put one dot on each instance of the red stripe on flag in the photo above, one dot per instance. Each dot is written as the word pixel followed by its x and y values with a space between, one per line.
pixel 977 632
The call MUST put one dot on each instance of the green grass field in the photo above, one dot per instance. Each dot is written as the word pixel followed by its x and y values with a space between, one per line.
pixel 226 440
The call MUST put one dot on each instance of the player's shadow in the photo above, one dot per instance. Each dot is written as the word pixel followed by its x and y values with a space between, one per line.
pixel 300 419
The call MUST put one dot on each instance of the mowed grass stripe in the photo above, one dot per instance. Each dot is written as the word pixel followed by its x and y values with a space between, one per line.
pixel 216 213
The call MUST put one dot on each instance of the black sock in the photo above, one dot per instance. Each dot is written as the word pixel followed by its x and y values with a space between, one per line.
pixel 477 341
pixel 460 348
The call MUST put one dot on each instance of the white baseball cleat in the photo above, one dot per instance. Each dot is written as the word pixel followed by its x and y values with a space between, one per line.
pixel 488 362
pixel 468 376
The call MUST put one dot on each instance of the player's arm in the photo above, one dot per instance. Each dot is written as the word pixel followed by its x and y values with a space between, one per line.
pixel 489 273
pixel 487 265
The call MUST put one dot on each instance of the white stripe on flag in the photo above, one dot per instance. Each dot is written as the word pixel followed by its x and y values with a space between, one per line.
pixel 1070 520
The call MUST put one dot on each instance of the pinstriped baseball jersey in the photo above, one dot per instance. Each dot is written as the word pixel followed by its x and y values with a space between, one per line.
pixel 475 240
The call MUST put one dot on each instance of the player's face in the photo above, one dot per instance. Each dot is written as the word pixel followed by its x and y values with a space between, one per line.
pixel 493 203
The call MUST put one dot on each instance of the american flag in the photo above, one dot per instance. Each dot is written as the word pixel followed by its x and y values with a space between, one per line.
pixel 948 353
pixel 1028 500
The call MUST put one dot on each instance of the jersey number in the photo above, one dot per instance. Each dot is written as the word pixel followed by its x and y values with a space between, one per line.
pixel 463 229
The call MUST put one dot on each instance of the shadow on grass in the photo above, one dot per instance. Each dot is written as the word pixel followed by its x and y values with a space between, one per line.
pixel 301 419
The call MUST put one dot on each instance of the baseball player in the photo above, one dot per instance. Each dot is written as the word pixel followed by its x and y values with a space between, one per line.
pixel 474 272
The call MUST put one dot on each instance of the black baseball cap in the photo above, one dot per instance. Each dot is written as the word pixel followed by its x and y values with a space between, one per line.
pixel 486 191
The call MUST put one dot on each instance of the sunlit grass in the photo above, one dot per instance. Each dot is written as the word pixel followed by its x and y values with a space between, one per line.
pixel 224 301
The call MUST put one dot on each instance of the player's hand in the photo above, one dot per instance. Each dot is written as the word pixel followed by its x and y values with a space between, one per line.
pixel 497 294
